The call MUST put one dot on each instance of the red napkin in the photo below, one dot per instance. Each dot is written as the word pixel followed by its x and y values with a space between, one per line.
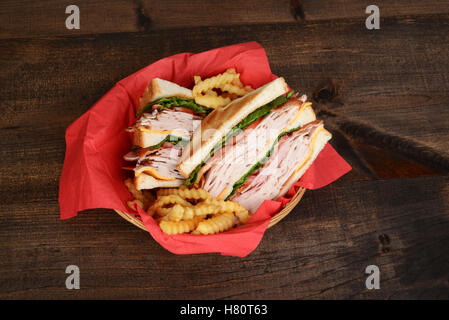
pixel 96 142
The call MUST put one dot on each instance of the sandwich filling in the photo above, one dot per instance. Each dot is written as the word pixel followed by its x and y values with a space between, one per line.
pixel 242 125
pixel 291 153
pixel 173 125
pixel 159 163
pixel 229 167
pixel 165 103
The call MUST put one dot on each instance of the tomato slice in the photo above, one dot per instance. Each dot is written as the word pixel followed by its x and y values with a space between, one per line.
pixel 254 124
pixel 184 110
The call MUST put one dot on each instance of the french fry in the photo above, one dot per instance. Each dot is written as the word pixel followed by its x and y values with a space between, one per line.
pixel 228 83
pixel 210 215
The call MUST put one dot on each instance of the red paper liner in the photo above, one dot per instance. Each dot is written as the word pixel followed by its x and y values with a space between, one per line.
pixel 96 142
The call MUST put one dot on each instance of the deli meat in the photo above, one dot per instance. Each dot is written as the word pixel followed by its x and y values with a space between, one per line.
pixel 230 163
pixel 140 153
pixel 289 155
pixel 172 119
pixel 162 162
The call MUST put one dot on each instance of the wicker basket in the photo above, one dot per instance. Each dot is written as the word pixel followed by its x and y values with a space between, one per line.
pixel 278 217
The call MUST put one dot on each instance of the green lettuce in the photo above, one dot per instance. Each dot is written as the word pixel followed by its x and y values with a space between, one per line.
pixel 172 139
pixel 176 102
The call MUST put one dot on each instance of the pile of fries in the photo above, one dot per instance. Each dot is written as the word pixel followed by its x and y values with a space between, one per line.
pixel 219 90
pixel 183 210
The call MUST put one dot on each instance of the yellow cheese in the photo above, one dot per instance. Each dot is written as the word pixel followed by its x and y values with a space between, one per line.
pixel 222 194
pixel 304 105
pixel 154 173
pixel 156 131
pixel 310 151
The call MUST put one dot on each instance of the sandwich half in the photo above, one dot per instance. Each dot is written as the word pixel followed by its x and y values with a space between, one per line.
pixel 226 122
pixel 156 168
pixel 166 112
pixel 167 116
pixel 228 167
pixel 293 155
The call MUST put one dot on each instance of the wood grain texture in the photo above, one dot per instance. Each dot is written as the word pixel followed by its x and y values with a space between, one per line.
pixel 24 18
pixel 47 18
pixel 348 9
pixel 384 94
pixel 318 251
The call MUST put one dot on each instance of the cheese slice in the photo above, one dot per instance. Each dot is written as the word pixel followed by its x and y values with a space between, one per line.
pixel 155 131
pixel 222 194
pixel 154 173
pixel 304 105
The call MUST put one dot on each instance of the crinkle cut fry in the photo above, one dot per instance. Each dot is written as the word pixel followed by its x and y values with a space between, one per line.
pixel 178 227
pixel 159 205
pixel 143 200
pixel 191 194
pixel 216 224
pixel 209 216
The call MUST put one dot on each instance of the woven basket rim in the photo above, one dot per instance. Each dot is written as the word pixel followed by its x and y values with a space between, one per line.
pixel 275 219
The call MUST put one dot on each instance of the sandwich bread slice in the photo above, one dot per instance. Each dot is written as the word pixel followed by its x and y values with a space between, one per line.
pixel 158 89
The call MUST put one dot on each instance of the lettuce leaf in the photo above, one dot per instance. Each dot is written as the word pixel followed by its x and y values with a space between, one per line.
pixel 193 175
pixel 171 139
pixel 177 102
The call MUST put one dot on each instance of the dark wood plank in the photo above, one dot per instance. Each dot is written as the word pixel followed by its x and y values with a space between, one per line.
pixel 21 19
pixel 319 251
pixel 348 9
pixel 47 18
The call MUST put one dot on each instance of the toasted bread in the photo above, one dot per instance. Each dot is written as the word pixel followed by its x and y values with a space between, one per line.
pixel 159 88
pixel 146 181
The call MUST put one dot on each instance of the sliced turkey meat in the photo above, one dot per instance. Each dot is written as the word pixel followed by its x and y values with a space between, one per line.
pixel 289 155
pixel 140 153
pixel 172 121
pixel 230 163
pixel 161 163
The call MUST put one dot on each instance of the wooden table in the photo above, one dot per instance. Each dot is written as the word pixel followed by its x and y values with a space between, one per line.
pixel 384 94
